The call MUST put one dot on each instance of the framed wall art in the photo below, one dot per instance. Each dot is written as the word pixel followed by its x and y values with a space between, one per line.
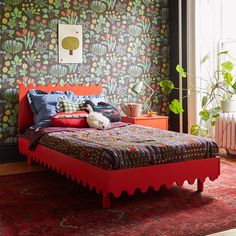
pixel 70 43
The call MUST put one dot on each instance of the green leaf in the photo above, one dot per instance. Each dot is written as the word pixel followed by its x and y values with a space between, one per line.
pixel 228 78
pixel 194 129
pixel 166 86
pixel 205 115
pixel 198 130
pixel 204 101
pixel 179 68
pixel 167 83
pixel 213 123
pixel 176 107
pixel 184 75
pixel 234 86
pixel 205 58
pixel 215 112
pixel 181 71
pixel 223 52
pixel 227 66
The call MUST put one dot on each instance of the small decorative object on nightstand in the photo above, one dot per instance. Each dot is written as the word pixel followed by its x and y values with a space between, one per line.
pixel 160 122
pixel 131 109
pixel 138 88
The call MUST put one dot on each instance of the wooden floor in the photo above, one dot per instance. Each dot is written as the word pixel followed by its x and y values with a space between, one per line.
pixel 231 159
pixel 231 232
pixel 18 168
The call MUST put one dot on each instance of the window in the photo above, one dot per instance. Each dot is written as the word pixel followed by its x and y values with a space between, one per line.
pixel 214 32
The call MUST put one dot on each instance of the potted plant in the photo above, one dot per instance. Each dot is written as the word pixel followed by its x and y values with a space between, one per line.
pixel 217 96
pixel 228 103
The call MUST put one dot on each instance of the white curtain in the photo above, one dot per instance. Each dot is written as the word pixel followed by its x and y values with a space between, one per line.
pixel 204 34
pixel 208 36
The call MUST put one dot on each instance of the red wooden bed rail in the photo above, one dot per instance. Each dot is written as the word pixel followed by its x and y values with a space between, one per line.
pixel 114 181
pixel 117 181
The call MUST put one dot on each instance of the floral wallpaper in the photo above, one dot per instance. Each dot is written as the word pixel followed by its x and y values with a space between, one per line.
pixel 124 41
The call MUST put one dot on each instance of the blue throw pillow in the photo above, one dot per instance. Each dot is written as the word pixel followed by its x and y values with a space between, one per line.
pixel 43 118
pixel 93 98
pixel 43 105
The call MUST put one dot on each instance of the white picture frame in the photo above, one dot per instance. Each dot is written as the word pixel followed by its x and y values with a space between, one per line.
pixel 70 43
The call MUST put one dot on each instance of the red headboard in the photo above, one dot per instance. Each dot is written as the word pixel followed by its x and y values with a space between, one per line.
pixel 25 118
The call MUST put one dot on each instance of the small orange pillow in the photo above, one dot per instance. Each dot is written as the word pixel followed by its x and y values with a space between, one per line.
pixel 76 119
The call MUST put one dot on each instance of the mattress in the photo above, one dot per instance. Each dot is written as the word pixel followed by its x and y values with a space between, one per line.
pixel 128 146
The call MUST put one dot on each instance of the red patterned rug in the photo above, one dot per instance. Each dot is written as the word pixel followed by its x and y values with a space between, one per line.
pixel 44 203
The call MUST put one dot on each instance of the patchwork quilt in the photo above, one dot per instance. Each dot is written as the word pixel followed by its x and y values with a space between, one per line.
pixel 128 146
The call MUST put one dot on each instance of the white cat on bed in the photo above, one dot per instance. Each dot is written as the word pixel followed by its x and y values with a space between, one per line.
pixel 96 119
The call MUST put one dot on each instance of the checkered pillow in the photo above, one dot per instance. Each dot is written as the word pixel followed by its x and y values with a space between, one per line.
pixel 67 106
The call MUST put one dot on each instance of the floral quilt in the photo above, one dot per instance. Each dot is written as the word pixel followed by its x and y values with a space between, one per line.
pixel 129 146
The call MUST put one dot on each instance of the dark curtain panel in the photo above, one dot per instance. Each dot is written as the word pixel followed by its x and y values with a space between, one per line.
pixel 174 60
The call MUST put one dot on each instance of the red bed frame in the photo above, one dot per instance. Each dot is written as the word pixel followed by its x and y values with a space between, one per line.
pixel 115 181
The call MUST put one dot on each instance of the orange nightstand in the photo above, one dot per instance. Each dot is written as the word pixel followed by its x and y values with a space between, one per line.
pixel 160 122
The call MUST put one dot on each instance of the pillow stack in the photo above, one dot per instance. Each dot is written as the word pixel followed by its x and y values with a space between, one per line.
pixel 43 105
pixel 60 108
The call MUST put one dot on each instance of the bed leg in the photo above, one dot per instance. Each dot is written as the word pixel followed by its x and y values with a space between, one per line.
pixel 106 201
pixel 200 185
pixel 30 161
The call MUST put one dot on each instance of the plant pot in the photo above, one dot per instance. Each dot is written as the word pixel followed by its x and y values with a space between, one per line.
pixel 228 106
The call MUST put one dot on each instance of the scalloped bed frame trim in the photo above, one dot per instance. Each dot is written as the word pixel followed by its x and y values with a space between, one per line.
pixel 115 181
